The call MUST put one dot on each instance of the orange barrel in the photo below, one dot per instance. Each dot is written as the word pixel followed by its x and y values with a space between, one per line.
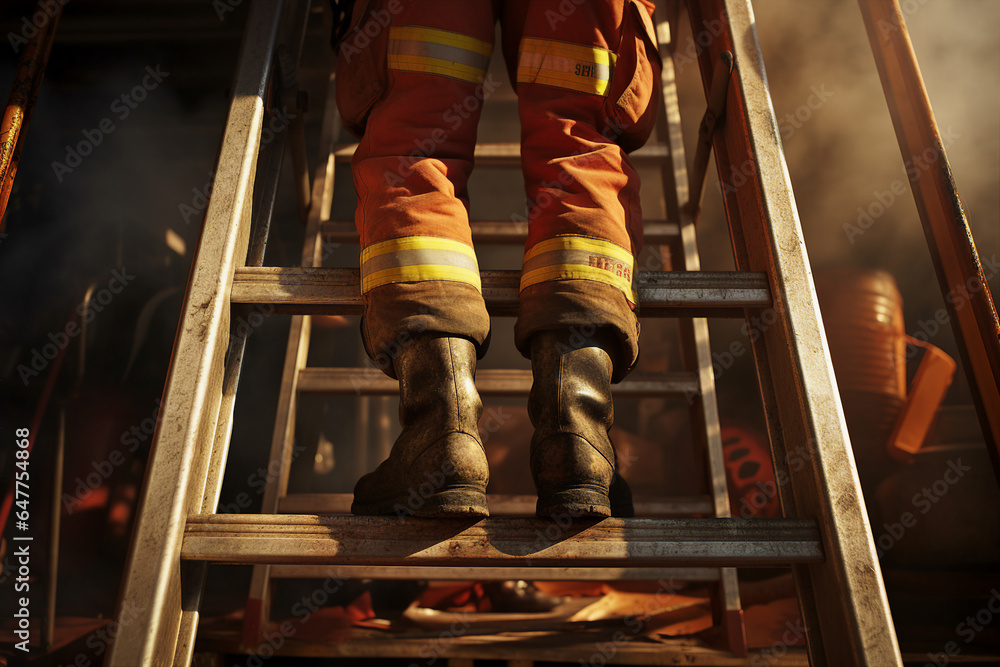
pixel 863 315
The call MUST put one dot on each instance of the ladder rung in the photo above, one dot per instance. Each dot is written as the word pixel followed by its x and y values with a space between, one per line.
pixel 495 573
pixel 490 382
pixel 505 505
pixel 295 539
pixel 661 293
pixel 654 232
pixel 508 154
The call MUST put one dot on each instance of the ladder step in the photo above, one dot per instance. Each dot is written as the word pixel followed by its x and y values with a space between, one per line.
pixel 505 505
pixel 312 291
pixel 388 541
pixel 654 232
pixel 508 154
pixel 490 382
pixel 495 573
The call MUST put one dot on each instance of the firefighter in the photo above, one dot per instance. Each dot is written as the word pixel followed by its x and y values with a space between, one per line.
pixel 412 76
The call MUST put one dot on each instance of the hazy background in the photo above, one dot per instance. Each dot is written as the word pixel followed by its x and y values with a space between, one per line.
pixel 120 206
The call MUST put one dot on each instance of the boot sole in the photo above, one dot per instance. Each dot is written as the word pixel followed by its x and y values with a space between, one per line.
pixel 575 503
pixel 448 503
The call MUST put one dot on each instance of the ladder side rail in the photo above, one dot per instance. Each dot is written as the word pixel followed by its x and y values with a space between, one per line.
pixel 149 608
pixel 696 352
pixel 949 238
pixel 194 575
pixel 266 191
pixel 854 618
pixel 296 358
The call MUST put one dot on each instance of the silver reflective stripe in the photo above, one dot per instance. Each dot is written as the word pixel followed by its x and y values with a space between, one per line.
pixel 454 54
pixel 419 256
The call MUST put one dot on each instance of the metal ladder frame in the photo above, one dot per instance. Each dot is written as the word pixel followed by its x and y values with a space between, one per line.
pixel 767 235
pixel 177 534
pixel 681 239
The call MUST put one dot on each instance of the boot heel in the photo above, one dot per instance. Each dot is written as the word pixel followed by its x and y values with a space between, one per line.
pixel 578 502
pixel 457 502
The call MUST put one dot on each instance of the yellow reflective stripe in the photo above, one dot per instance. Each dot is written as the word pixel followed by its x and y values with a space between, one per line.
pixel 577 67
pixel 578 272
pixel 433 51
pixel 570 257
pixel 435 66
pixel 585 243
pixel 445 37
pixel 418 258
pixel 594 54
pixel 420 272
pixel 415 243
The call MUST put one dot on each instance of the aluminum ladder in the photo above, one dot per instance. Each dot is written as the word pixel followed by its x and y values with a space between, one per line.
pixel 676 236
pixel 824 535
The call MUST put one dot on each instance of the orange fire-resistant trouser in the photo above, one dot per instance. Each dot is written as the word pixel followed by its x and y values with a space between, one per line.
pixel 412 77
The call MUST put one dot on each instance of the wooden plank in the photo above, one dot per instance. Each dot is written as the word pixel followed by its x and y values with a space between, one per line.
pixel 311 539
pixel 505 505
pixel 661 293
pixel 150 600
pixel 490 382
pixel 654 232
pixel 852 625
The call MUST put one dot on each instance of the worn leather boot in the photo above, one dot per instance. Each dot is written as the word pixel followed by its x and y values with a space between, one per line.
pixel 437 466
pixel 572 459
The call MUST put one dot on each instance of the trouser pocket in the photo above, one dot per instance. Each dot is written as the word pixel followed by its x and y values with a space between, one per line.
pixel 361 62
pixel 634 91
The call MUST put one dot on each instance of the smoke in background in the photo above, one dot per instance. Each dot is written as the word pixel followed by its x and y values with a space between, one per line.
pixel 841 147
pixel 115 208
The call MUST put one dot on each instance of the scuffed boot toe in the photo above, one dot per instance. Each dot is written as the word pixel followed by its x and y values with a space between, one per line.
pixel 449 480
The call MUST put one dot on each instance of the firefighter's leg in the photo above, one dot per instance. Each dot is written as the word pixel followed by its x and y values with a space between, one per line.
pixel 424 320
pixel 587 82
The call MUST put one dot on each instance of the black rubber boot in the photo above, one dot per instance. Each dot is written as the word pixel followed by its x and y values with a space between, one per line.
pixel 437 467
pixel 572 459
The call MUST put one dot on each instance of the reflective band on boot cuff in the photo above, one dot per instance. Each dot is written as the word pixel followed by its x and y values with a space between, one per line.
pixel 570 257
pixel 417 258
pixel 433 51
pixel 583 68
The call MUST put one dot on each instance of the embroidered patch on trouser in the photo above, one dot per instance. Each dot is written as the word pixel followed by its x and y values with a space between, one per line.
pixel 568 257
